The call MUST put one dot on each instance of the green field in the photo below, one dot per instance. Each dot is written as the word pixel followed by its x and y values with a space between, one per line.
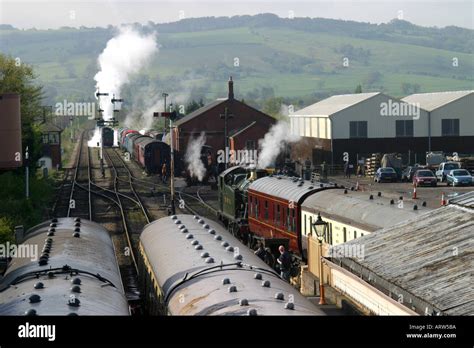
pixel 284 61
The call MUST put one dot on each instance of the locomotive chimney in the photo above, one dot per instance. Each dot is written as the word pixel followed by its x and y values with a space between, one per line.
pixel 231 89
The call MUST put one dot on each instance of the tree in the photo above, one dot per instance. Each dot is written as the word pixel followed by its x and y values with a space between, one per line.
pixel 358 89
pixel 19 78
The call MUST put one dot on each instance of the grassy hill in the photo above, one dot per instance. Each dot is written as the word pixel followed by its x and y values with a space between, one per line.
pixel 300 60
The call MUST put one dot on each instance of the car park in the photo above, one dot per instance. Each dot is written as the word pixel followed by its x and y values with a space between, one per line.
pixel 444 168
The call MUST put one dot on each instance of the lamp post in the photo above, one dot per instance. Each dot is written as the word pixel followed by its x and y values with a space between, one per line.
pixel 320 227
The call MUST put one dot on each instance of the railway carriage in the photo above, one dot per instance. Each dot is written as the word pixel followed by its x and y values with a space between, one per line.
pixel 151 154
pixel 274 210
pixel 192 266
pixel 76 272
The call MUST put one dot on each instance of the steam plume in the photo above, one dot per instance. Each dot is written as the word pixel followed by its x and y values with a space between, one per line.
pixel 274 142
pixel 193 157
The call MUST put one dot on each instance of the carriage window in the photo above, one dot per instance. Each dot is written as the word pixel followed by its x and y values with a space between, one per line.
pixel 251 206
pixel 288 218
pixel 310 224
pixel 355 234
pixel 278 216
pixel 345 234
pixel 293 224
pixel 256 207
pixel 266 210
pixel 305 224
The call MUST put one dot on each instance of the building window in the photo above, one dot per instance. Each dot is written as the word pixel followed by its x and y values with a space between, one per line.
pixel 53 138
pixel 250 144
pixel 450 127
pixel 45 139
pixel 358 129
pixel 404 128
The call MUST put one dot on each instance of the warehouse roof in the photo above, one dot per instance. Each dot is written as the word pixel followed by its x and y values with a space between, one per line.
pixel 357 209
pixel 433 101
pixel 429 257
pixel 464 200
pixel 334 104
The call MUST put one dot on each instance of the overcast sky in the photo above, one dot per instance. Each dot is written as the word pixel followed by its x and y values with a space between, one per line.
pixel 56 13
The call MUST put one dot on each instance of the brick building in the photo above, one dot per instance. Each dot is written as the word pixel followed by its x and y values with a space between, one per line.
pixel 245 125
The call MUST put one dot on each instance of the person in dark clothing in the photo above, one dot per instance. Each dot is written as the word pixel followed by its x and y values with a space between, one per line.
pixel 269 259
pixel 260 252
pixel 285 263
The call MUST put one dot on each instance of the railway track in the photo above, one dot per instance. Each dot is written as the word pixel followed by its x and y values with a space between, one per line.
pixel 74 197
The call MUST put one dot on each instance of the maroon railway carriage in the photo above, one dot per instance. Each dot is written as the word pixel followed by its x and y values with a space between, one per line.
pixel 274 209
pixel 151 154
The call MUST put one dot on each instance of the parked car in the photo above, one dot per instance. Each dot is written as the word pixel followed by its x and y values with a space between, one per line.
pixel 444 168
pixel 424 177
pixel 385 174
pixel 407 174
pixel 459 177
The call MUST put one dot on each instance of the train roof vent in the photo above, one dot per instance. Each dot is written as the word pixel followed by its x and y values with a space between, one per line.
pixel 50 233
pixel 209 260
pixel 232 288
pixel 43 262
pixel 415 207
pixel 53 225
pixel 30 312
pixel 225 281
pixel 184 231
pixel 177 222
pixel 289 305
pixel 204 254
pixel 252 312
pixel 34 298
pixel 217 237
pixel 73 301
pixel 51 229
pixel 279 296
pixel 201 221
pixel 258 276
pixel 189 236
pixel 310 187
pixel 206 226
pixel 243 302
pixel 39 285
pixel 173 217
pixel 77 224
pixel 77 229
pixel 78 219
pixel 181 227
pixel 238 256
pixel 266 284
pixel 212 231
pixel 225 244
pixel 76 281
pixel 198 247
pixel 54 220
pixel 72 314
pixel 196 217
pixel 76 235
pixel 76 288
pixel 195 242
pixel 230 248
pixel 321 185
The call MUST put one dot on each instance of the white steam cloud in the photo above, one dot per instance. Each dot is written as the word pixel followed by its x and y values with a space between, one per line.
pixel 124 55
pixel 193 157
pixel 274 142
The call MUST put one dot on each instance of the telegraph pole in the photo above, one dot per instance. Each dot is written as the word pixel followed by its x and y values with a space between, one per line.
pixel 226 116
pixel 27 174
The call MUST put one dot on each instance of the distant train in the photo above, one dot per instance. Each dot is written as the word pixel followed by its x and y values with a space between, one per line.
pixel 148 152
pixel 192 266
pixel 66 266
pixel 107 137
pixel 280 210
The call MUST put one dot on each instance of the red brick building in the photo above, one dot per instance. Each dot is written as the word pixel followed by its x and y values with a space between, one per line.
pixel 244 128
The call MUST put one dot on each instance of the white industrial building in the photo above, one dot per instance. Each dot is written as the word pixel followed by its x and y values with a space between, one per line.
pixel 363 123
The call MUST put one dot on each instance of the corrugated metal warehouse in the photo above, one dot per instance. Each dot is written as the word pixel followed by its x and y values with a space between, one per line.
pixel 364 123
